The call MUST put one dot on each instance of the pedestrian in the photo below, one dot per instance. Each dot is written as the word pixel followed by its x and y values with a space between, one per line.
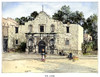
pixel 43 55
pixel 70 56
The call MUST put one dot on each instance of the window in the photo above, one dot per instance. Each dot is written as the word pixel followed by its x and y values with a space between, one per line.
pixel 67 42
pixel 52 28
pixel 30 28
pixel 67 29
pixel 16 29
pixel 16 41
pixel 52 42
pixel 41 28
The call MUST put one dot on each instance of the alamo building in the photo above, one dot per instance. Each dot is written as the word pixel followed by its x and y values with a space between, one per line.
pixel 43 33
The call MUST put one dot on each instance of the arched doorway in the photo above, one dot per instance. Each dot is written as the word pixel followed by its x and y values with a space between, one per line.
pixel 41 45
pixel 30 44
pixel 52 46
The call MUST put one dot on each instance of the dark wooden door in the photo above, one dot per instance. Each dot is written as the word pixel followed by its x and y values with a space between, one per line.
pixel 5 45
pixel 41 46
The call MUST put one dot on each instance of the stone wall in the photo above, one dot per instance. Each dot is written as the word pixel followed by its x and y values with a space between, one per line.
pixel 7 31
pixel 75 35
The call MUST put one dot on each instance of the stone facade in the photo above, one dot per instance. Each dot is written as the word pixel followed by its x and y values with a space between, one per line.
pixel 6 23
pixel 47 33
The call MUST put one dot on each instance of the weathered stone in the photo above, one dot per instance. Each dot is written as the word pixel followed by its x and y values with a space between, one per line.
pixel 75 35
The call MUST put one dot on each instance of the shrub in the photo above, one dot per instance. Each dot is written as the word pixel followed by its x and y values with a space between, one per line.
pixel 21 47
pixel 87 46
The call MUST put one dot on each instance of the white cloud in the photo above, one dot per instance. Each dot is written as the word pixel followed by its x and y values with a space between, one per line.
pixel 21 10
pixel 24 9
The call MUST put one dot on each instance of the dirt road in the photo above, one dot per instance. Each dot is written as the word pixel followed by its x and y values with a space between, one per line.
pixel 52 65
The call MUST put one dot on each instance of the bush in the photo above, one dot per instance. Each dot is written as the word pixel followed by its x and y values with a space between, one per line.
pixel 87 54
pixel 87 46
pixel 21 47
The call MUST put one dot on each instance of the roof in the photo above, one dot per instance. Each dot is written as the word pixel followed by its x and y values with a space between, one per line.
pixel 8 21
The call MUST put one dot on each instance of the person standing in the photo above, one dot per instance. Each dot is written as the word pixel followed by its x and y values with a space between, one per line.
pixel 43 55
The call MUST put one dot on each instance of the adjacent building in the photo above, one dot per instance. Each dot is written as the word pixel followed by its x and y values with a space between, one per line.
pixel 6 23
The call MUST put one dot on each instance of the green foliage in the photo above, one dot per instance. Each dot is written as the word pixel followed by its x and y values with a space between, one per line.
pixel 87 54
pixel 65 9
pixel 21 47
pixel 34 14
pixel 87 46
pixel 65 15
pixel 92 29
pixel 22 20
pixel 58 16
pixel 18 20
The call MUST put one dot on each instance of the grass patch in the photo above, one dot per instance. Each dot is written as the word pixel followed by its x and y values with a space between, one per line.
pixel 87 54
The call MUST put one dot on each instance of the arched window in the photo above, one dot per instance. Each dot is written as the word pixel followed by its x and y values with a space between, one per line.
pixel 52 28
pixel 52 42
pixel 30 28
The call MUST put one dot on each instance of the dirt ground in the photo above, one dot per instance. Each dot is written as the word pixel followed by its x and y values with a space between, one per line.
pixel 19 63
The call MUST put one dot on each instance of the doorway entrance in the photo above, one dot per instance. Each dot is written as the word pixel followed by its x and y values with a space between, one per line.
pixel 5 45
pixel 41 45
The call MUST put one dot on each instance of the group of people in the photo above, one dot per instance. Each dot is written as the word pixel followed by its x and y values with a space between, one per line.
pixel 43 54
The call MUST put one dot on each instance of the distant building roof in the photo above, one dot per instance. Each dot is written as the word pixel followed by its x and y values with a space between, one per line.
pixel 9 22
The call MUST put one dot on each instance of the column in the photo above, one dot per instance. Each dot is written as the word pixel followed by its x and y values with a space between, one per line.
pixel 27 50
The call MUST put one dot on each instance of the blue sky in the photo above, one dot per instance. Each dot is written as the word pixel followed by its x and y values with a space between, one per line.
pixel 19 9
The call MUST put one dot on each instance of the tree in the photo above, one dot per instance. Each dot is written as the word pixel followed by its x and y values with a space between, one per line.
pixel 92 29
pixel 29 18
pixel 77 17
pixel 22 20
pixel 65 15
pixel 87 46
pixel 65 9
pixel 18 20
pixel 34 14
pixel 58 15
